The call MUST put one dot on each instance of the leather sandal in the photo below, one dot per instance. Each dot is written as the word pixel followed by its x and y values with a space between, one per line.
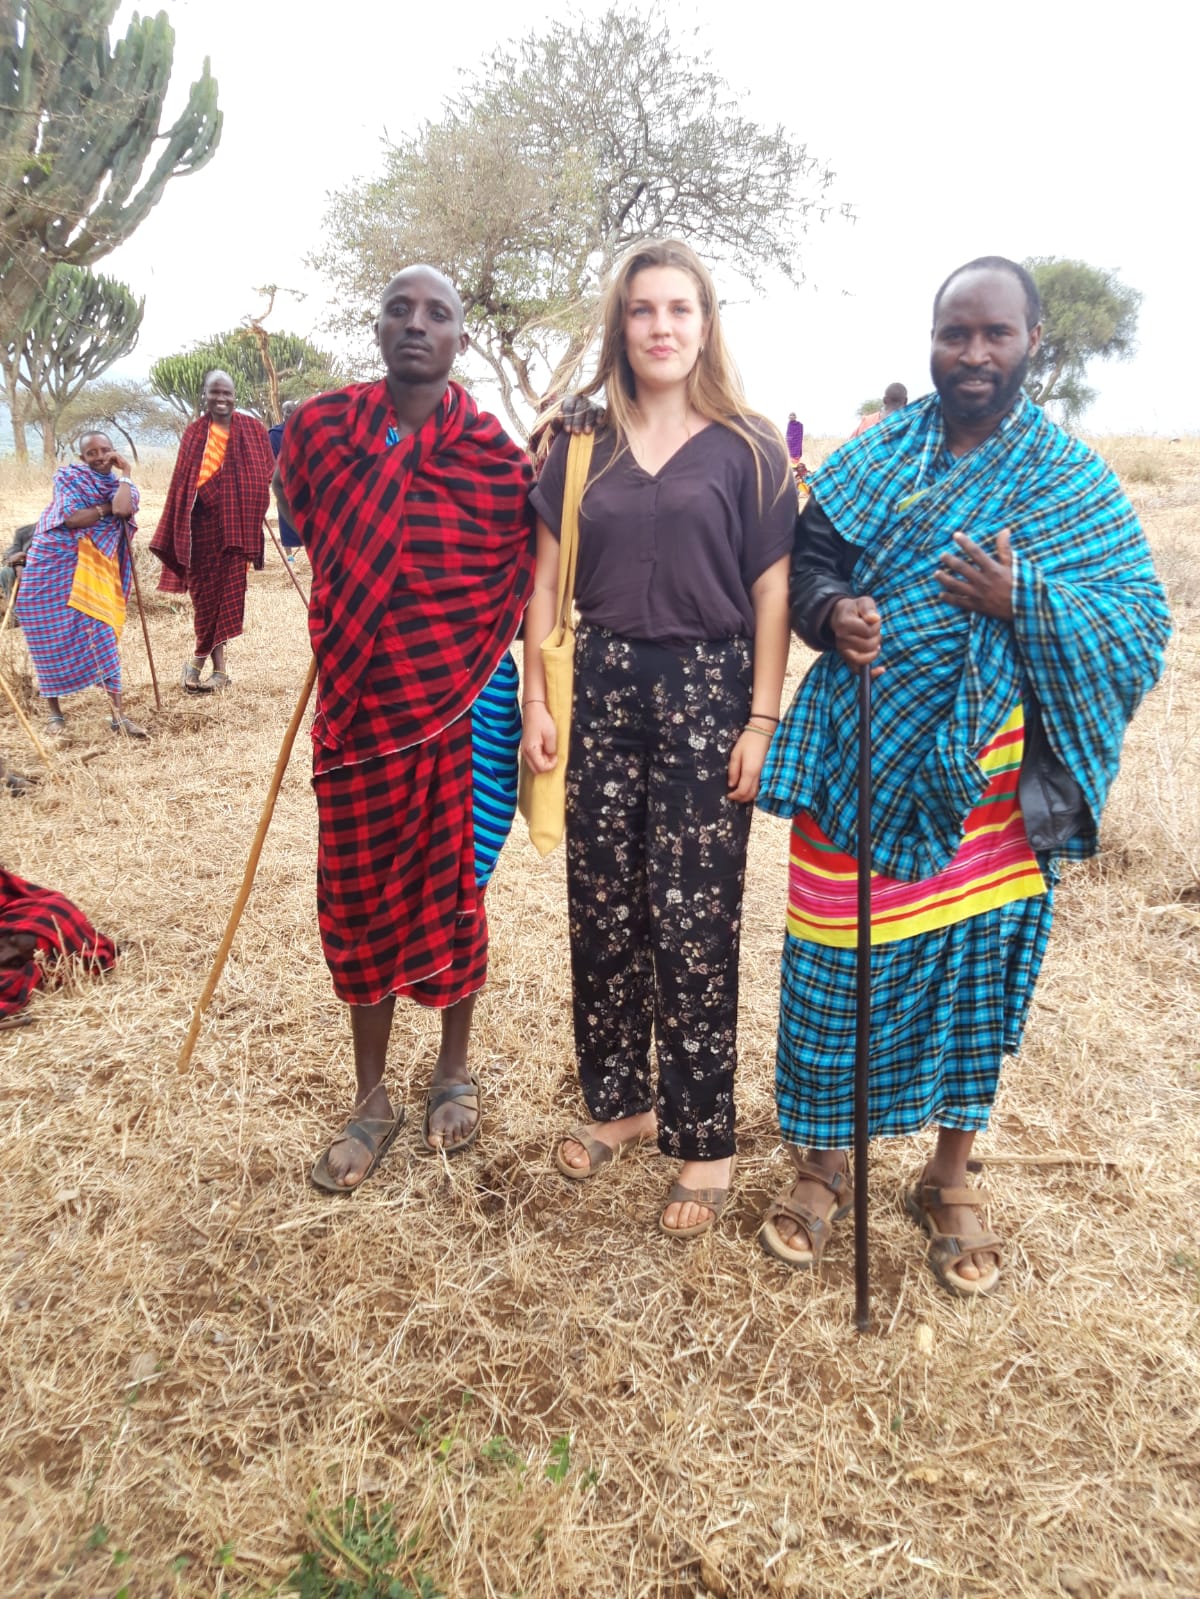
pixel 946 1250
pixel 217 682
pixel 818 1227
pixel 598 1153
pixel 123 724
pixel 56 723
pixel 713 1198
pixel 444 1094
pixel 374 1133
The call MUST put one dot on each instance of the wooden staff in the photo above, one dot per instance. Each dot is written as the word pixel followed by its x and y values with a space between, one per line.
pixel 12 698
pixel 862 1008
pixel 239 904
pixel 137 589
pixel 267 523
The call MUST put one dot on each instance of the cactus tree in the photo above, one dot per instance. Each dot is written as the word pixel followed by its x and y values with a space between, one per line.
pixel 83 323
pixel 82 159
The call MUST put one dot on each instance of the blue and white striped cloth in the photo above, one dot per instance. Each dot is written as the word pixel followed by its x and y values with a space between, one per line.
pixel 495 743
pixel 1087 639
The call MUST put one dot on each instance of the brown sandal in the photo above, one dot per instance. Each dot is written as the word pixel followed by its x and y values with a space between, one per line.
pixel 470 1095
pixel 375 1134
pixel 920 1199
pixel 713 1198
pixel 598 1153
pixel 818 1228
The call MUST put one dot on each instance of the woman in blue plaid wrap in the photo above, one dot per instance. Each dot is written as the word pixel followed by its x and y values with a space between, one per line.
pixel 990 567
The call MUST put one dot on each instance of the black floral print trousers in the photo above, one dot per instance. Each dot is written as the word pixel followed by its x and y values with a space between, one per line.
pixel 656 864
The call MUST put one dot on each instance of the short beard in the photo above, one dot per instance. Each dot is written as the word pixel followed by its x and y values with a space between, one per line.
pixel 997 404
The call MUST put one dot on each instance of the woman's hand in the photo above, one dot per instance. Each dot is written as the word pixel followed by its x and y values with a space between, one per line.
pixel 746 762
pixel 539 741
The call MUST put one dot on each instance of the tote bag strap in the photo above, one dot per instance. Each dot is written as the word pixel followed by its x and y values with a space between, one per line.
pixel 579 458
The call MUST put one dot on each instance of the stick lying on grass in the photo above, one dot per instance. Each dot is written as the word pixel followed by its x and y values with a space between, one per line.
pixel 239 904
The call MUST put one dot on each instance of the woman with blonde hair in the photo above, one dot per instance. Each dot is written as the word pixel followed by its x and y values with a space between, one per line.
pixel 685 534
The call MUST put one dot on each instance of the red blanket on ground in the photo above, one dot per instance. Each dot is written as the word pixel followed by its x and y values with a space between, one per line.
pixel 57 928
pixel 421 549
pixel 244 485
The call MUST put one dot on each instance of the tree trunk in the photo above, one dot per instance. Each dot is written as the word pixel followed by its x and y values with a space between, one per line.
pixel 12 396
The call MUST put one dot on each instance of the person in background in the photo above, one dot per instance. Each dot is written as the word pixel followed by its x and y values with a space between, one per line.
pixel 987 567
pixel 73 592
pixel 686 528
pixel 895 398
pixel 288 536
pixel 14 562
pixel 211 528
pixel 795 440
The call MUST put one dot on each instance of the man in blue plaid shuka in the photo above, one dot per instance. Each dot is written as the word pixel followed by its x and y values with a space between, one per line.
pixel 986 559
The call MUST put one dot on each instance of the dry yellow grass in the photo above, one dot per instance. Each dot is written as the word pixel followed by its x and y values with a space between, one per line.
pixel 198 1349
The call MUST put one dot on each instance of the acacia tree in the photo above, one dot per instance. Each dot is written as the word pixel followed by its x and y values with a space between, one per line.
pixel 79 123
pixel 1088 314
pixel 300 369
pixel 122 407
pixel 82 325
pixel 556 156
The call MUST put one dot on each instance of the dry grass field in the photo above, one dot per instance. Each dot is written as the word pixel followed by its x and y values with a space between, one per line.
pixel 202 1359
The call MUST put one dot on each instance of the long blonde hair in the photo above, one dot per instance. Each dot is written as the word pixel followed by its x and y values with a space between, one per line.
pixel 714 386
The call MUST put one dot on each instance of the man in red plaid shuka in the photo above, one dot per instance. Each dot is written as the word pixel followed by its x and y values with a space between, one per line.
pixel 212 524
pixel 412 505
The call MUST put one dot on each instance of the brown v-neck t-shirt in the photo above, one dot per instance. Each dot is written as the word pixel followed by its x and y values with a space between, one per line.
pixel 671 556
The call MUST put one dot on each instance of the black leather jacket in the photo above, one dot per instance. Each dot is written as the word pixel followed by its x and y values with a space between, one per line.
pixel 1052 802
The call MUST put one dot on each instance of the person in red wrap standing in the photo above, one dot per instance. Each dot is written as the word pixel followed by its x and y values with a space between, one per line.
pixel 212 524
pixel 413 507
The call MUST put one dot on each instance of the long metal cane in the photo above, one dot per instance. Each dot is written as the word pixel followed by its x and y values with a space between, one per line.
pixel 862 1012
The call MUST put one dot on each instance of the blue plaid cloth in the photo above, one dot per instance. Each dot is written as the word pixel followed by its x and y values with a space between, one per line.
pixel 1087 639
pixel 946 1007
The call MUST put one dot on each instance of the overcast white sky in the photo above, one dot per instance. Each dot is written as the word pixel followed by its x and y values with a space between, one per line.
pixel 955 130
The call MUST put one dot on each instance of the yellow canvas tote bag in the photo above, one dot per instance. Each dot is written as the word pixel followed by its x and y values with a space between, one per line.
pixel 542 796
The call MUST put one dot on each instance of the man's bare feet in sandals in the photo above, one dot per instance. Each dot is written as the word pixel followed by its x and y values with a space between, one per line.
pixel 453 1123
pixel 574 1160
pixel 349 1160
pixel 796 1225
pixel 948 1212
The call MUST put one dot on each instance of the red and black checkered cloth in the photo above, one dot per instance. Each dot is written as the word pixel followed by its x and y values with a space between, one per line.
pixel 422 564
pixel 422 559
pixel 243 490
pixel 59 927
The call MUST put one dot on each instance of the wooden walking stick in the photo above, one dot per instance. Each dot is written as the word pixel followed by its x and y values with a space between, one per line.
pixel 137 589
pixel 862 1008
pixel 12 698
pixel 239 904
pixel 267 523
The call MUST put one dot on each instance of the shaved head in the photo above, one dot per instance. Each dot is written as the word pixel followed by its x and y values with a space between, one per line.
pixel 413 274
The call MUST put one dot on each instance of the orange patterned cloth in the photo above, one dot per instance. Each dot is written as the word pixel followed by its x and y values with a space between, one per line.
pixel 214 453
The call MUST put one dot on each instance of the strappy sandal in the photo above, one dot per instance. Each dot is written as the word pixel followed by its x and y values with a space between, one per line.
pixel 446 1094
pixel 375 1134
pixel 598 1153
pixel 818 1228
pixel 191 679
pixel 218 681
pixel 56 724
pixel 122 724
pixel 713 1198
pixel 920 1200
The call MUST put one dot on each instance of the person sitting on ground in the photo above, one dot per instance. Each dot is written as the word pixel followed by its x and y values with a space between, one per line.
pixel 413 507
pixel 72 596
pixel 14 563
pixel 211 527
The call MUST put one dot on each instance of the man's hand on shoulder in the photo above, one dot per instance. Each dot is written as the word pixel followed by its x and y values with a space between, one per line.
pixel 976 581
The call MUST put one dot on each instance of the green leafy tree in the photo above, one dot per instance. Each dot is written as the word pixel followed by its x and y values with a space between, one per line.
pixel 123 408
pixel 83 159
pixel 300 368
pixel 557 155
pixel 82 325
pixel 1088 314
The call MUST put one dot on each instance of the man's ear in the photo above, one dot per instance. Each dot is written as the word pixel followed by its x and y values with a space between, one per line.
pixel 1035 339
pixel 464 339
